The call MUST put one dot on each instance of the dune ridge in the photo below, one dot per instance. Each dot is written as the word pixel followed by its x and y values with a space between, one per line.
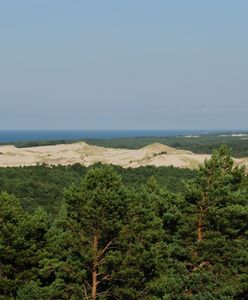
pixel 85 154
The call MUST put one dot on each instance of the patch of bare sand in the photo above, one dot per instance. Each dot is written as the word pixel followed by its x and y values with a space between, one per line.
pixel 66 154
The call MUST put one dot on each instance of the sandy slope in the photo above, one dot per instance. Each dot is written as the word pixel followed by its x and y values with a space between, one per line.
pixel 65 154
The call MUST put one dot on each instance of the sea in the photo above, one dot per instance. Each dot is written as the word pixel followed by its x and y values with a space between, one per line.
pixel 12 136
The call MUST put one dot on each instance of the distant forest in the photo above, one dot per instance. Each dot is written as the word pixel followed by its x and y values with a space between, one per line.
pixel 43 186
pixel 108 233
pixel 204 143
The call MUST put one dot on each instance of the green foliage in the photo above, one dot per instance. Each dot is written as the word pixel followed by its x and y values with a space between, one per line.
pixel 96 210
pixel 40 185
pixel 217 214
pixel 21 239
pixel 43 186
pixel 131 239
pixel 140 251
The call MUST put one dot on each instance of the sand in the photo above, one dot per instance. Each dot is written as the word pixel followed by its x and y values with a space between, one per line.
pixel 67 154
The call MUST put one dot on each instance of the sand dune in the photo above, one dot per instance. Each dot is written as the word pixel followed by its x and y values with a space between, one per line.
pixel 65 154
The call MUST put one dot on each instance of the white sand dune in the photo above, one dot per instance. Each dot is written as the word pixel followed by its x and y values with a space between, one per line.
pixel 66 154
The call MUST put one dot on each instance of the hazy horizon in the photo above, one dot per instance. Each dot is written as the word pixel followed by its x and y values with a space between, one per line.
pixel 138 65
pixel 127 129
pixel 12 136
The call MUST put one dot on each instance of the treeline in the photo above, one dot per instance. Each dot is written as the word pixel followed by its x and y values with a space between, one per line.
pixel 204 143
pixel 111 241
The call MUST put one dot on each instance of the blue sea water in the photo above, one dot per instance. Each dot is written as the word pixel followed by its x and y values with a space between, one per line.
pixel 8 136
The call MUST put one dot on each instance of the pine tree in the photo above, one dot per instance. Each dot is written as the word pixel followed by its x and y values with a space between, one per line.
pixel 21 242
pixel 105 244
pixel 141 249
pixel 216 229
pixel 96 210
pixel 62 271
pixel 168 207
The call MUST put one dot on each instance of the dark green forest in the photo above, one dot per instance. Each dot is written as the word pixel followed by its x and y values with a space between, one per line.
pixel 105 232
pixel 43 186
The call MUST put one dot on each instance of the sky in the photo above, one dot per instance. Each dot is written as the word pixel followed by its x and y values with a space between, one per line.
pixel 132 64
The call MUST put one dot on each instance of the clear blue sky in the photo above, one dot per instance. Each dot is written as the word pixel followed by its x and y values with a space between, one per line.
pixel 75 64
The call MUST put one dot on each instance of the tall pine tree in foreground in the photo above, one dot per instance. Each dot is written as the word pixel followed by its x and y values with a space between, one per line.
pixel 216 230
pixel 106 243
pixel 96 212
